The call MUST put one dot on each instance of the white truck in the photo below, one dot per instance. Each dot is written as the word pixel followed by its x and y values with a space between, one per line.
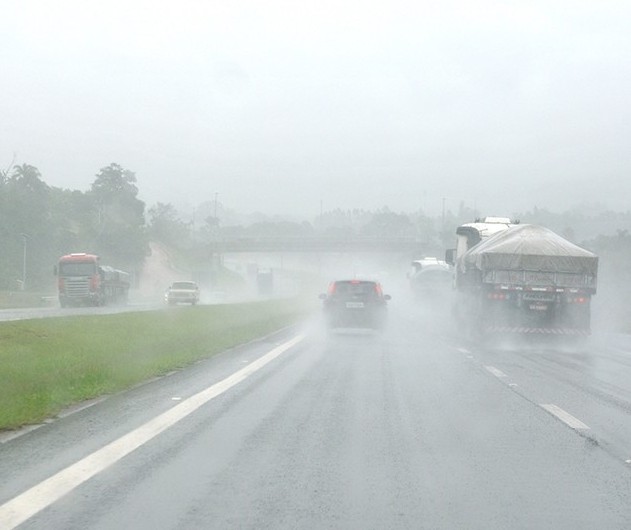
pixel 522 279
pixel 430 278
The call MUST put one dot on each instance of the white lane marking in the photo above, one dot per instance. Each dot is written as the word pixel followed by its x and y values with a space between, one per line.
pixel 73 410
pixel 463 350
pixel 565 417
pixel 495 371
pixel 27 504
pixel 10 435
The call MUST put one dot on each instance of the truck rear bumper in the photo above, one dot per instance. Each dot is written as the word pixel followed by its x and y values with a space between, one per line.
pixel 538 330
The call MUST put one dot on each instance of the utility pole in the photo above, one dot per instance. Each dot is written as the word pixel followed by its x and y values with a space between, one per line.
pixel 24 238
pixel 442 225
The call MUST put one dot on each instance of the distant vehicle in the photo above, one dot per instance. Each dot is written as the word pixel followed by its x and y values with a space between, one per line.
pixel 355 303
pixel 419 264
pixel 82 280
pixel 183 292
pixel 265 282
pixel 430 278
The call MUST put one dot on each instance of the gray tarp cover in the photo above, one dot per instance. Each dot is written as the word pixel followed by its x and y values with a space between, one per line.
pixel 533 248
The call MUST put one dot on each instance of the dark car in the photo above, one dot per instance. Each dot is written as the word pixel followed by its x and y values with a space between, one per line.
pixel 355 303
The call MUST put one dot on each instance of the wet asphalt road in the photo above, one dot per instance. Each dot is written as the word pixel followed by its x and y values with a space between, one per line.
pixel 409 429
pixel 55 310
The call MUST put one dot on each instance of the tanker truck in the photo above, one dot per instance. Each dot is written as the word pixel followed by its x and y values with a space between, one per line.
pixel 524 279
pixel 429 279
pixel 82 280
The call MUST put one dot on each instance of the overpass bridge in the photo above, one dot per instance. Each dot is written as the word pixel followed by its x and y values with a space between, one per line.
pixel 315 244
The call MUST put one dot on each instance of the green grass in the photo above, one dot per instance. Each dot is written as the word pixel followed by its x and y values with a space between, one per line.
pixel 49 364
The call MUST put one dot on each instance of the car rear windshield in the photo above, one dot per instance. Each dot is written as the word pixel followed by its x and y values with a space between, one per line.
pixel 183 285
pixel 355 288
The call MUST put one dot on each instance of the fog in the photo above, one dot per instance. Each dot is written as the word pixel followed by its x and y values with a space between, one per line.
pixel 283 107
pixel 323 112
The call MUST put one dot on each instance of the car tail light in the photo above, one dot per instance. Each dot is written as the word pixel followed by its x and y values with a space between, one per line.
pixel 378 289
pixel 332 288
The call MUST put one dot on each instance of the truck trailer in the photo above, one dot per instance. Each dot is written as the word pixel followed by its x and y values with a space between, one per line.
pixel 525 279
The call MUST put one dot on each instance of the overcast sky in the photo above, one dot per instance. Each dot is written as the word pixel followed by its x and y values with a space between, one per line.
pixel 278 105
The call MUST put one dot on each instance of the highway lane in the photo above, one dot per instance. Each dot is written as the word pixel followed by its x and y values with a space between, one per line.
pixel 591 380
pixel 409 429
pixel 55 310
pixel 28 313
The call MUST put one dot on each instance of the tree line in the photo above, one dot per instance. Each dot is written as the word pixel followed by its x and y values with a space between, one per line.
pixel 39 223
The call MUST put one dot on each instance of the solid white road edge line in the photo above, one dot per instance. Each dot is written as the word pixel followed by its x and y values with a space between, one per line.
pixel 565 417
pixel 32 501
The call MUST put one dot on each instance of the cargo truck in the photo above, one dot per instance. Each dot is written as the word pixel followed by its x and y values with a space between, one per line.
pixel 524 279
pixel 82 280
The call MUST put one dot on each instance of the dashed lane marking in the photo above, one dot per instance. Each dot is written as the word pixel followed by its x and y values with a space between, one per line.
pixel 495 371
pixel 564 416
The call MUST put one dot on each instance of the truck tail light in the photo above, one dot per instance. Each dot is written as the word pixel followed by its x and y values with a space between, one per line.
pixel 498 296
pixel 94 283
pixel 577 300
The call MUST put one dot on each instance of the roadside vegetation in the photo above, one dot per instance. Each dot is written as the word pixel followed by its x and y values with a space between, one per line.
pixel 49 364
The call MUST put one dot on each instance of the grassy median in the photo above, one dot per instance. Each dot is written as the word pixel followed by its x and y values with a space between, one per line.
pixel 49 364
